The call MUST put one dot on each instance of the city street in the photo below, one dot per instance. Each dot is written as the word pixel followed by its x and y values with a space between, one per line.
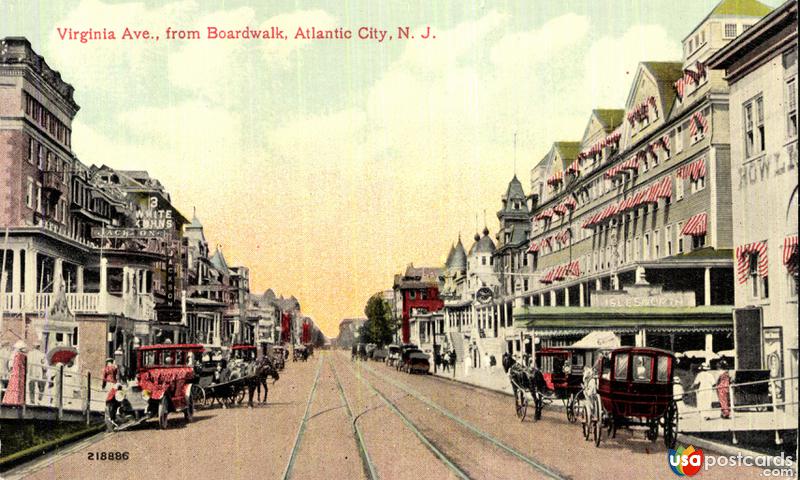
pixel 410 426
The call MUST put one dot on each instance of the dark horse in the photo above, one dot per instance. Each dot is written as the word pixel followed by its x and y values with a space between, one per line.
pixel 260 370
pixel 527 380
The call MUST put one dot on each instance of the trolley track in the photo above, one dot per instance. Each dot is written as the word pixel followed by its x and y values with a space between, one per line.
pixel 366 461
pixel 287 473
pixel 412 393
pixel 447 461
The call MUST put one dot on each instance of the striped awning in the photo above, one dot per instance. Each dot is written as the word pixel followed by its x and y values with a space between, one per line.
pixel 696 226
pixel 790 253
pixel 694 170
pixel 534 247
pixel 743 255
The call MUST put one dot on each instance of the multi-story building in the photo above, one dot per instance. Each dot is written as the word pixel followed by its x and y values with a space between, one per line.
pixel 75 243
pixel 761 68
pixel 633 232
pixel 417 293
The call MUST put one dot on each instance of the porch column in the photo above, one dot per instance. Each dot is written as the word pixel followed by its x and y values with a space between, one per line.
pixel 30 278
pixel 102 305
pixel 709 345
pixel 16 279
pixel 598 285
pixel 552 298
pixel 79 279
pixel 615 282
pixel 566 296
pixel 541 299
pixel 707 286
pixel 581 301
pixel 58 273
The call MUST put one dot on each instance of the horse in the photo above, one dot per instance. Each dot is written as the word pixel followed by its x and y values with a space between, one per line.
pixel 259 371
pixel 528 379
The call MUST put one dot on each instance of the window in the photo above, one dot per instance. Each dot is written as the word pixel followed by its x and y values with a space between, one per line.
pixel 40 153
pixel 38 197
pixel 656 245
pixel 760 285
pixel 646 246
pixel 621 367
pixel 679 139
pixel 730 30
pixel 699 184
pixel 643 368
pixel 31 150
pixel 29 193
pixel 791 107
pixel 691 43
pixel 703 36
pixel 668 238
pixel 754 127
pixel 662 369
pixel 483 260
pixel 698 241
pixel 637 247
pixel 679 184
pixel 412 295
pixel 680 237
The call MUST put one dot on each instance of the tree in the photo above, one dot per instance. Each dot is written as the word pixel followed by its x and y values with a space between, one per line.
pixel 380 326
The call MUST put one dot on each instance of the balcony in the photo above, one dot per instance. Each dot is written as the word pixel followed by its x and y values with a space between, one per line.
pixel 139 308
pixel 52 183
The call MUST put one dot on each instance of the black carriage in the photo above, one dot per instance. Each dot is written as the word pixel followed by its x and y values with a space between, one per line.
pixel 634 387
pixel 527 385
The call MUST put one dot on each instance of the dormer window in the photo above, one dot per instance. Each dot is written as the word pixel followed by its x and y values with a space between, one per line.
pixel 730 30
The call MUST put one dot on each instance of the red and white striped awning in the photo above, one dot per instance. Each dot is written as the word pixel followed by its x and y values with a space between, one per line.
pixel 696 226
pixel 790 251
pixel 560 210
pixel 694 170
pixel 534 247
pixel 665 142
pixel 570 203
pixel 698 121
pixel 574 269
pixel 548 277
pixel 743 254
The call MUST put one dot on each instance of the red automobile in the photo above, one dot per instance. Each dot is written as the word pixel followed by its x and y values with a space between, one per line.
pixel 163 384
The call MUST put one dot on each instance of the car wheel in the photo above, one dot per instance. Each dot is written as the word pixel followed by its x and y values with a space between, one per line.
pixel 163 412
pixel 188 412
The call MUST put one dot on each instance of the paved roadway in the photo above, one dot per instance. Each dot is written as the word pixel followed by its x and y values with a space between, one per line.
pixel 408 427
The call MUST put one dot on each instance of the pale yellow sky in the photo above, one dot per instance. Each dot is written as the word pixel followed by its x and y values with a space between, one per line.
pixel 326 167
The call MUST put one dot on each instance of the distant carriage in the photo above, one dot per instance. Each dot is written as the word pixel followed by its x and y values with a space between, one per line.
pixel 634 387
pixel 528 386
pixel 563 380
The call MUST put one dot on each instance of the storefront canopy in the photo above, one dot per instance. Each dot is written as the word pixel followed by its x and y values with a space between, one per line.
pixel 598 340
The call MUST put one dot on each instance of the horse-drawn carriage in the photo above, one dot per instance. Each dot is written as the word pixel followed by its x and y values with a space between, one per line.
pixel 163 384
pixel 562 372
pixel 224 375
pixel 528 386
pixel 279 354
pixel 633 386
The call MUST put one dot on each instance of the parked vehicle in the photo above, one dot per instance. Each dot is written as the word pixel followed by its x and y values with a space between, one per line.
pixel 393 355
pixel 380 354
pixel 416 361
pixel 635 388
pixel 163 384
pixel 399 364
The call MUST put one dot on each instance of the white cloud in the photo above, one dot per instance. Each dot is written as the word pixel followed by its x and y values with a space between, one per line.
pixel 611 62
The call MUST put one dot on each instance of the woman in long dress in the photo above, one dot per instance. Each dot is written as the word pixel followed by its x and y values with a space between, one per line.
pixel 15 393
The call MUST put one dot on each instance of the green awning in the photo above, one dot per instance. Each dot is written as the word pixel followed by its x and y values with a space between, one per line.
pixel 661 318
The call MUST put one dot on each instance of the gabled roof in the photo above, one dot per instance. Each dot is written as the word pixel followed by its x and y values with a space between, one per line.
pixel 218 260
pixel 664 74
pixel 610 118
pixel 743 8
pixel 567 150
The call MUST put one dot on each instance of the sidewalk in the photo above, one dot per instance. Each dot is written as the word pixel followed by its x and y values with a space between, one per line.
pixel 490 378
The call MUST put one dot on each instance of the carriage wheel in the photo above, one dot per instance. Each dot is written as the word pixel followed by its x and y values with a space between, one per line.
pixel 198 396
pixel 652 431
pixel 522 405
pixel 163 412
pixel 188 411
pixel 572 408
pixel 671 425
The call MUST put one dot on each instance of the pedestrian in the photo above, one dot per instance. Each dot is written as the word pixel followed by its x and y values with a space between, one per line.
pixel 506 361
pixel 677 393
pixel 453 361
pixel 5 363
pixel 445 362
pixel 15 394
pixel 37 373
pixel 724 390
pixel 110 373
pixel 704 384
